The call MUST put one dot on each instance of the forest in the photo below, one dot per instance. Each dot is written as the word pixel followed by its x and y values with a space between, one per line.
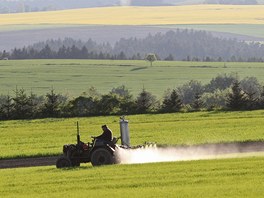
pixel 181 44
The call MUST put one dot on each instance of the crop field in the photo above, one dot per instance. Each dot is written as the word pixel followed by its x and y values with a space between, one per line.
pixel 73 77
pixel 47 136
pixel 256 30
pixel 23 29
pixel 242 177
pixel 194 14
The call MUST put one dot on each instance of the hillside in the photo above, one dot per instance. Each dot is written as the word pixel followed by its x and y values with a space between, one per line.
pixel 24 35
pixel 198 14
pixel 171 45
pixel 18 30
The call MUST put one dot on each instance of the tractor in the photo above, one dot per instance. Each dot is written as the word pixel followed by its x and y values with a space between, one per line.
pixel 98 152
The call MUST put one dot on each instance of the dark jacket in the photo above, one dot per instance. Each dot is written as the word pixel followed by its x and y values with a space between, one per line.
pixel 106 135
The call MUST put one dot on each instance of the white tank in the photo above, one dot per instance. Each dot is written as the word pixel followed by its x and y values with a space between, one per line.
pixel 124 132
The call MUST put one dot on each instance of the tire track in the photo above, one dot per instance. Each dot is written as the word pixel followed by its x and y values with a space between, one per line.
pixel 28 162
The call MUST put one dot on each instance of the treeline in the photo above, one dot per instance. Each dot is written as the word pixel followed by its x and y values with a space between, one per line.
pixel 14 6
pixel 233 2
pixel 72 52
pixel 224 92
pixel 180 44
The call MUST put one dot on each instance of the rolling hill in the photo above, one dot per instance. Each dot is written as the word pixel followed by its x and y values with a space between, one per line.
pixel 18 30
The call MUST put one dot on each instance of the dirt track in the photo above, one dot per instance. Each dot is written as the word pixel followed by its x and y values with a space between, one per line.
pixel 27 162
pixel 211 149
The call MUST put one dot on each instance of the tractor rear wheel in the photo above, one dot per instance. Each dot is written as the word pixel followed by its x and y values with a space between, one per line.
pixel 101 156
pixel 63 162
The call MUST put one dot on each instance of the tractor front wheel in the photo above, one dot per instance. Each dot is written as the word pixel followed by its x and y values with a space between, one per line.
pixel 63 162
pixel 101 156
pixel 74 157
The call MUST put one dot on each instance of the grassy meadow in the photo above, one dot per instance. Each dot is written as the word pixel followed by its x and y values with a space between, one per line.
pixel 73 77
pixel 191 14
pixel 47 136
pixel 241 177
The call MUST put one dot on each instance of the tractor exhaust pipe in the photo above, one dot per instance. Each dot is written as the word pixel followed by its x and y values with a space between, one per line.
pixel 124 132
pixel 78 133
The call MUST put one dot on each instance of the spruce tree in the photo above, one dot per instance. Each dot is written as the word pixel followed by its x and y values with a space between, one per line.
pixel 52 104
pixel 145 102
pixel 6 107
pixel 236 100
pixel 261 99
pixel 21 105
pixel 251 100
pixel 172 103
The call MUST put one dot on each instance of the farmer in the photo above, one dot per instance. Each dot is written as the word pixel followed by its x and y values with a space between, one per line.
pixel 106 135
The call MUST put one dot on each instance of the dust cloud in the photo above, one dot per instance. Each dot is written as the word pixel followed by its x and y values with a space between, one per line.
pixel 151 154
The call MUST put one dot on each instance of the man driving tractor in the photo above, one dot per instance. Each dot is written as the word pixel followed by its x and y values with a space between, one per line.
pixel 106 135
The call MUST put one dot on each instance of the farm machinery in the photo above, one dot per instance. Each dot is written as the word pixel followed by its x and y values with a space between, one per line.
pixel 98 152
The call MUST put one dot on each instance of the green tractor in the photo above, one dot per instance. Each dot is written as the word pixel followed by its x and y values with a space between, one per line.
pixel 98 152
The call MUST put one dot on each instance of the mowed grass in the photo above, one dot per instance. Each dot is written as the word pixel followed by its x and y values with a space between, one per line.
pixel 47 136
pixel 242 177
pixel 192 14
pixel 73 77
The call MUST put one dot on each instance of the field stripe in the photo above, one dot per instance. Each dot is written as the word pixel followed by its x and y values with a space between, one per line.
pixel 194 14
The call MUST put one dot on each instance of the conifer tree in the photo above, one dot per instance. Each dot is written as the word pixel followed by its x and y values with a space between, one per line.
pixel 51 106
pixel 21 104
pixel 172 103
pixel 6 107
pixel 145 102
pixel 236 100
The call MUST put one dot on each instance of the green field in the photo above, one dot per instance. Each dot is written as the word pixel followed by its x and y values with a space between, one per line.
pixel 73 77
pixel 255 30
pixel 235 177
pixel 47 136
pixel 241 177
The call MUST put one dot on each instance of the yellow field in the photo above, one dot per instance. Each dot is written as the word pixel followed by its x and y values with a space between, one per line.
pixel 195 14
